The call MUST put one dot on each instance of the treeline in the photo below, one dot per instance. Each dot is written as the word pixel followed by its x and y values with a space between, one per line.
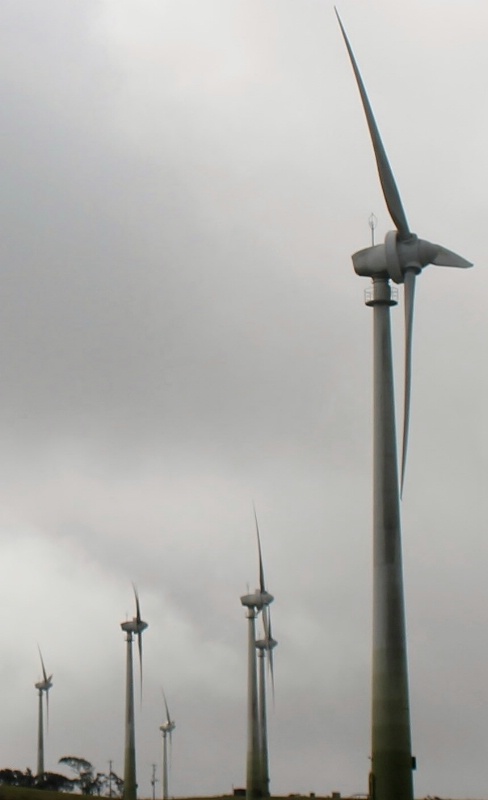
pixel 85 780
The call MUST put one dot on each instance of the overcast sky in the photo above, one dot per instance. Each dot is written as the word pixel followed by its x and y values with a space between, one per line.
pixel 182 184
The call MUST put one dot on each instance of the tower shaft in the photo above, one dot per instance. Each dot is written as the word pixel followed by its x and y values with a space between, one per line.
pixel 263 725
pixel 391 769
pixel 130 785
pixel 253 771
pixel 40 737
pixel 165 766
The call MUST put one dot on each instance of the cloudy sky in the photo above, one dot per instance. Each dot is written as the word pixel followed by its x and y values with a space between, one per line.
pixel 182 333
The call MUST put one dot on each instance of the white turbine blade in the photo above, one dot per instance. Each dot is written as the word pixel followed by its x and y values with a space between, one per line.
pixel 138 608
pixel 271 644
pixel 47 709
pixel 446 258
pixel 409 298
pixel 44 673
pixel 387 180
pixel 271 674
pixel 168 718
pixel 139 643
pixel 139 632
pixel 261 568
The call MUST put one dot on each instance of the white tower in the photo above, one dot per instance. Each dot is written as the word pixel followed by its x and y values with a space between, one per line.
pixel 401 259
pixel 265 648
pixel 132 627
pixel 166 729
pixel 42 687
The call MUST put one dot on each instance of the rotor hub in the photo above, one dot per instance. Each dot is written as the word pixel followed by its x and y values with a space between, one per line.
pixel 394 257
pixel 134 625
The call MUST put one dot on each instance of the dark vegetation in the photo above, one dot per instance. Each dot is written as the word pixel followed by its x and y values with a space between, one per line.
pixel 85 781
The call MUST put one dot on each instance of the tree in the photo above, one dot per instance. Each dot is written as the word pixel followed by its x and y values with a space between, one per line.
pixel 86 781
pixel 90 782
pixel 53 782
pixel 12 777
pixel 114 786
pixel 48 780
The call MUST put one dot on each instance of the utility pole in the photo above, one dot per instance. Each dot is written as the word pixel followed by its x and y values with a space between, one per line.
pixel 154 781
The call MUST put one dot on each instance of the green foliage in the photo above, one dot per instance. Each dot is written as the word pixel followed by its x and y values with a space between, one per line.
pixel 90 783
pixel 87 781
pixel 15 777
pixel 114 786
pixel 48 780
pixel 53 782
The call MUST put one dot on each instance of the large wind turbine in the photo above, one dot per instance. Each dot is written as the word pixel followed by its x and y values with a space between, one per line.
pixel 265 648
pixel 166 729
pixel 42 686
pixel 401 258
pixel 254 603
pixel 133 627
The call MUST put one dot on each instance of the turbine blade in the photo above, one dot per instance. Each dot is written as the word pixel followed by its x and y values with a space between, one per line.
pixel 168 718
pixel 446 258
pixel 268 625
pixel 409 297
pixel 271 674
pixel 44 673
pixel 269 639
pixel 138 619
pixel 387 180
pixel 261 568
pixel 264 613
pixel 138 608
pixel 139 644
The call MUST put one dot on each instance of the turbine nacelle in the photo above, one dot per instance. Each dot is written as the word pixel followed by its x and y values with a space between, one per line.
pixel 44 685
pixel 258 600
pixel 266 644
pixel 397 255
pixel 134 625
pixel 167 727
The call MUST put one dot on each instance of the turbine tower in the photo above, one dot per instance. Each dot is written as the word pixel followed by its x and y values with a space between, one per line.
pixel 132 627
pixel 254 603
pixel 401 258
pixel 166 729
pixel 265 648
pixel 42 686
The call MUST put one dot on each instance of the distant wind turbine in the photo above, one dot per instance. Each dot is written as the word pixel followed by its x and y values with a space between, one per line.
pixel 166 729
pixel 42 686
pixel 133 627
pixel 265 648
pixel 254 603
pixel 401 258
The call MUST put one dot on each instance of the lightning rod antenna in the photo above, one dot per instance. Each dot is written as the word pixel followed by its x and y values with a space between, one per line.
pixel 372 222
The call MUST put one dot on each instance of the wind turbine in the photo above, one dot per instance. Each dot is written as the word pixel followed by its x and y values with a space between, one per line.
pixel 401 258
pixel 265 648
pixel 42 686
pixel 254 603
pixel 132 627
pixel 166 729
